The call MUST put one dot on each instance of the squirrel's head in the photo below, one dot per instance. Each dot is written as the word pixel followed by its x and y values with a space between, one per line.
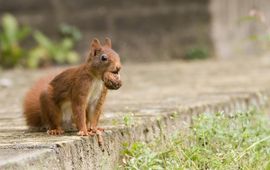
pixel 105 63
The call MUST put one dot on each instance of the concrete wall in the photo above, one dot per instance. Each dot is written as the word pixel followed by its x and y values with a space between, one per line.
pixel 146 30
pixel 141 30
pixel 232 31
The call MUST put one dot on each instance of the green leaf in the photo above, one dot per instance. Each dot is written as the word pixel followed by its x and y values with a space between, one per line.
pixel 267 166
pixel 71 32
pixel 23 33
pixel 67 44
pixel 35 55
pixel 72 57
pixel 10 27
pixel 43 40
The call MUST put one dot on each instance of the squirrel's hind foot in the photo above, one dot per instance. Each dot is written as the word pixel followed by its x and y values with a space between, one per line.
pixel 55 132
pixel 85 133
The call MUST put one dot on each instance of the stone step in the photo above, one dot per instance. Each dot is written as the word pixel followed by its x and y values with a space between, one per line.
pixel 157 100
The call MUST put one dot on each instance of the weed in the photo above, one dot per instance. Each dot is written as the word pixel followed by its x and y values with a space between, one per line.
pixel 128 119
pixel 174 115
pixel 46 52
pixel 67 31
pixel 196 53
pixel 49 52
pixel 11 35
pixel 240 141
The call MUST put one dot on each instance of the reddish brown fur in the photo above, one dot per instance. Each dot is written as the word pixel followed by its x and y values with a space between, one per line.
pixel 42 104
pixel 31 105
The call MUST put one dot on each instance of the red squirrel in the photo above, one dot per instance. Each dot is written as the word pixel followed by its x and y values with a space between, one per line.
pixel 76 95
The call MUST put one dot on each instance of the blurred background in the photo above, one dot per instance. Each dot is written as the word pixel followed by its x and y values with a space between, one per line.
pixel 181 58
pixel 37 33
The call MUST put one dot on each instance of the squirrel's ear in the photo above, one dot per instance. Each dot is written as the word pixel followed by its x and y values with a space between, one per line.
pixel 95 46
pixel 108 42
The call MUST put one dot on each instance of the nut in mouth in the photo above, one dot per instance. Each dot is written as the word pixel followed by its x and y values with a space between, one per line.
pixel 112 80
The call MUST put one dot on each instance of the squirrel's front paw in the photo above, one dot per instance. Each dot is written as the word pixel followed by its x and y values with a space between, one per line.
pixel 55 132
pixel 84 133
pixel 96 130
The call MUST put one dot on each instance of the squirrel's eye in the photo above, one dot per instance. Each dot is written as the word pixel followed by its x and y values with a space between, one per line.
pixel 104 57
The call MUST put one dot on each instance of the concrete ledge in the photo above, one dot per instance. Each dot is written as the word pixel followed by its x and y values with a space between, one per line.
pixel 68 152
pixel 162 103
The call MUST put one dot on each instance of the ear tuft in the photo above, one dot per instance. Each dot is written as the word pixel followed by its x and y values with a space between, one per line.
pixel 108 42
pixel 94 47
pixel 95 43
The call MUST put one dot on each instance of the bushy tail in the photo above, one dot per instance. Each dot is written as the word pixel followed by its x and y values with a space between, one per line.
pixel 31 104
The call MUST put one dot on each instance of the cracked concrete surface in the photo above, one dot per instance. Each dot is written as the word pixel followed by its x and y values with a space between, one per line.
pixel 158 98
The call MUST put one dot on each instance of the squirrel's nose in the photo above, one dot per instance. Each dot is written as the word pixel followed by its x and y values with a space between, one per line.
pixel 117 68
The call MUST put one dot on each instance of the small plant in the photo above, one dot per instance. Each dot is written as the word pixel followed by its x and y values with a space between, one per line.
pixel 128 119
pixel 196 53
pixel 46 52
pixel 174 115
pixel 240 141
pixel 49 52
pixel 67 31
pixel 11 35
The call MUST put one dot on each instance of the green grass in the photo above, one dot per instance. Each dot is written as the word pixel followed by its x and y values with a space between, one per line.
pixel 197 53
pixel 239 141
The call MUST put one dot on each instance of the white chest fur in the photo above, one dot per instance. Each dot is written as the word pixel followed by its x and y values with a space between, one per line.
pixel 94 93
